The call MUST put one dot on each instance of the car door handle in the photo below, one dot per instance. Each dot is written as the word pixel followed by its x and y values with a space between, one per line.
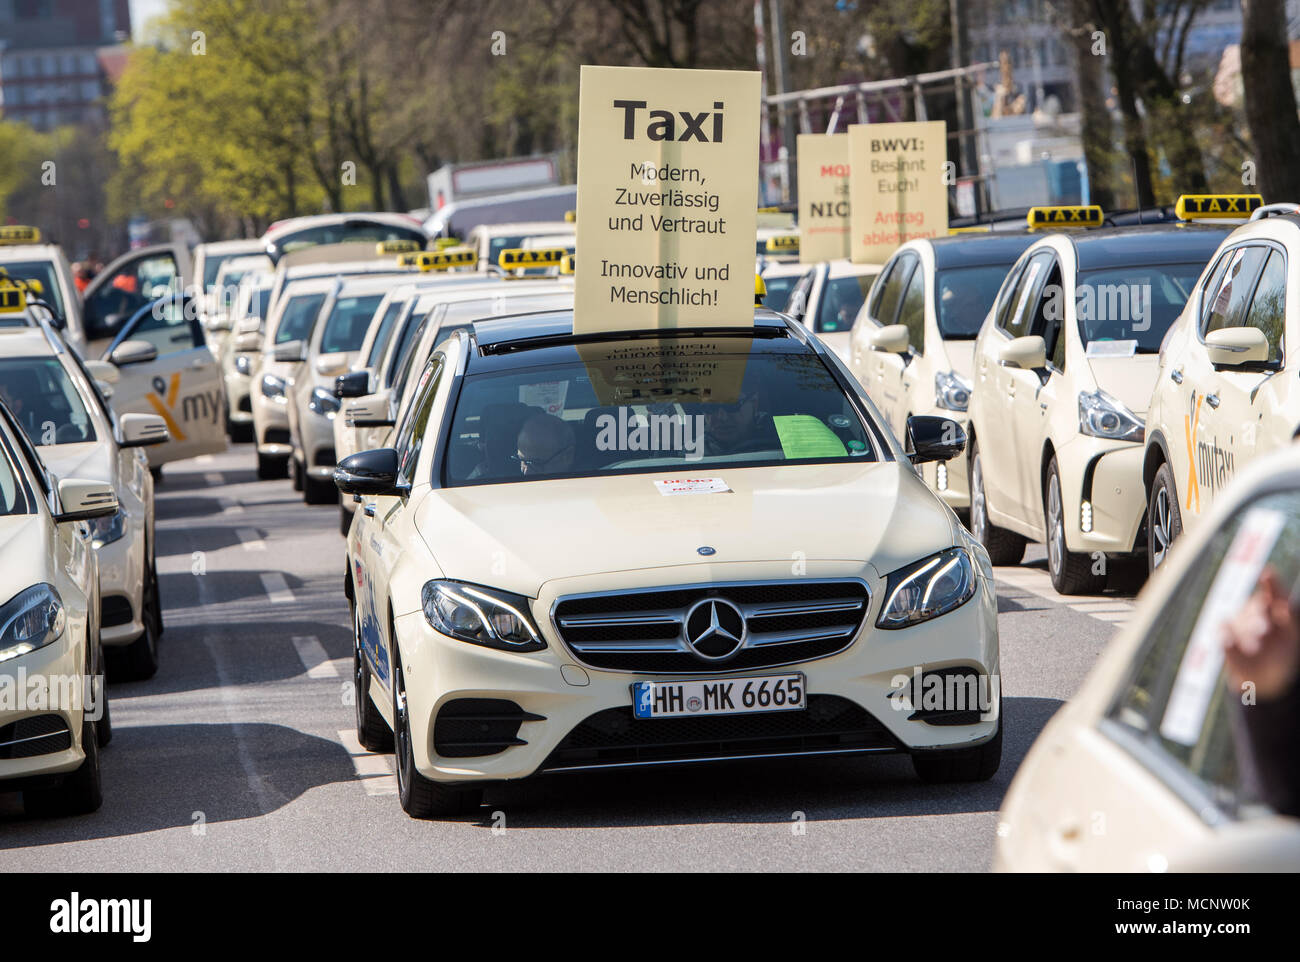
pixel 1176 375
pixel 1212 400
pixel 369 510
pixel 1011 390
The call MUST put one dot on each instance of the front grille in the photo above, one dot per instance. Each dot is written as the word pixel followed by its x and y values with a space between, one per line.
pixel 615 736
pixel 113 611
pixel 276 436
pixel 325 458
pixel 38 735
pixel 473 727
pixel 245 404
pixel 645 631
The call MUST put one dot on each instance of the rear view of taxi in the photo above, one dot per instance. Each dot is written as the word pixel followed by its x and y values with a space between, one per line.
pixel 913 343
pixel 1064 367
pixel 1226 391
pixel 541 585
pixel 53 719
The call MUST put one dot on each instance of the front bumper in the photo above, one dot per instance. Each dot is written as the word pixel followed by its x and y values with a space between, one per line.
pixel 1108 476
pixel 556 687
pixel 121 584
pixel 270 424
pixel 316 441
pixel 60 667
pixel 238 397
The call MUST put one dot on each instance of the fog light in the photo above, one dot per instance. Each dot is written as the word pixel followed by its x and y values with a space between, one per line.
pixel 1085 516
pixel 941 476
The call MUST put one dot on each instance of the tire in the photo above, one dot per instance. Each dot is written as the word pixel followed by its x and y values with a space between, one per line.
pixel 977 764
pixel 156 471
pixel 79 793
pixel 345 520
pixel 372 731
pixel 104 727
pixel 1004 547
pixel 1164 519
pixel 1072 572
pixel 420 797
pixel 318 492
pixel 270 467
pixel 296 473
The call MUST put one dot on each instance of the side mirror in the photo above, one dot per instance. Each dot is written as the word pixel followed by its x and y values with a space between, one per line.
pixel 890 339
pixel 142 430
pixel 369 472
pixel 249 325
pixel 931 438
pixel 1027 353
pixel 103 371
pixel 352 384
pixel 328 365
pixel 248 343
pixel 370 413
pixel 133 352
pixel 290 351
pixel 84 500
pixel 220 323
pixel 1235 346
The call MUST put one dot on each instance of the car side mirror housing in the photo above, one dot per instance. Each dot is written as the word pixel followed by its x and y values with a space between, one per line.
pixel 890 339
pixel 248 343
pixel 373 412
pixel 1026 353
pixel 249 325
pixel 142 430
pixel 133 352
pixel 220 323
pixel 352 384
pixel 330 365
pixel 369 473
pixel 932 438
pixel 85 500
pixel 1236 346
pixel 290 351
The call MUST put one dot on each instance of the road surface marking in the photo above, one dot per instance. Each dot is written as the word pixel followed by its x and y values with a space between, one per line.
pixel 252 540
pixel 276 588
pixel 374 771
pixel 313 657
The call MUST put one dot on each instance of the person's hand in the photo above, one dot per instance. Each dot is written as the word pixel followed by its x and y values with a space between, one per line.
pixel 1261 643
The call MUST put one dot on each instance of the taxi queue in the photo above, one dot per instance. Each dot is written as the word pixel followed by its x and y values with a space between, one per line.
pixel 1097 388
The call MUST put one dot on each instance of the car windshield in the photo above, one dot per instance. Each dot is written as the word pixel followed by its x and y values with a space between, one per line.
pixel 42 271
pixel 348 321
pixel 1137 303
pixel 349 232
pixel 842 298
pixel 212 268
pixel 963 296
pixel 43 399
pixel 299 318
pixel 777 297
pixel 257 299
pixel 651 407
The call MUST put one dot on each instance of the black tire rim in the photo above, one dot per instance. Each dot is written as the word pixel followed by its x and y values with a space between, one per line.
pixel 1162 526
pixel 403 733
pixel 1056 526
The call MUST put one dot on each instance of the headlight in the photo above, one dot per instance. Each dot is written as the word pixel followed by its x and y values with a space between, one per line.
pixel 273 387
pixel 1101 416
pixel 480 616
pixel 927 589
pixel 244 365
pixel 323 403
pixel 108 529
pixel 951 392
pixel 31 619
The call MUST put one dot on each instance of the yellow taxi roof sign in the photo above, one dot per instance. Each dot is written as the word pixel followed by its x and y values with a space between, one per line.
pixel 783 244
pixel 760 290
pixel 396 246
pixel 568 263
pixel 978 229
pixel 516 257
pixel 13 296
pixel 14 234
pixel 439 243
pixel 1217 206
pixel 442 260
pixel 1067 215
pixel 570 216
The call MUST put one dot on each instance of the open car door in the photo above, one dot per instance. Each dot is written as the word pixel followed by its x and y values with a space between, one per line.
pixel 127 284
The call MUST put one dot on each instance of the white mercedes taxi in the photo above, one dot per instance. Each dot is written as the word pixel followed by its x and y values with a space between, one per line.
pixel 53 708
pixel 611 551
pixel 1181 752
pixel 52 395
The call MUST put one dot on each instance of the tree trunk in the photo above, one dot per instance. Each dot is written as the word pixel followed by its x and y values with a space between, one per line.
pixel 1098 133
pixel 1270 98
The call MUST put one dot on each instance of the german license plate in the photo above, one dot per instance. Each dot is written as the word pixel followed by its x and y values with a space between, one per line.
pixel 718 696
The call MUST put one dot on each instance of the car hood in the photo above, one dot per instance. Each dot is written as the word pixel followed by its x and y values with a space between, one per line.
pixel 518 536
pixel 24 554
pixel 89 461
pixel 1129 380
pixel 961 355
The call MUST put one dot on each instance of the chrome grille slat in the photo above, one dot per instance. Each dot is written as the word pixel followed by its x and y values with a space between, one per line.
pixel 761 639
pixel 818 607
pixel 593 646
pixel 607 621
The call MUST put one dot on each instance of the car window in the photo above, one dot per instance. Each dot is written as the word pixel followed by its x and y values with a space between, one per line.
pixel 403 355
pixel 842 298
pixel 299 318
pixel 131 288
pixel 13 498
pixel 44 272
pixel 1007 295
pixel 410 438
pixel 878 289
pixel 349 319
pixel 384 333
pixel 1176 701
pixel 1137 303
pixel 43 399
pixel 1212 283
pixel 895 287
pixel 350 231
pixel 1231 297
pixel 584 418
pixel 1024 300
pixel 1268 306
pixel 962 298
pixel 912 313
pixel 777 297
pixel 165 326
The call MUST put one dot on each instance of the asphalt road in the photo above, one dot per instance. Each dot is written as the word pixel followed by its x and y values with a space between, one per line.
pixel 239 754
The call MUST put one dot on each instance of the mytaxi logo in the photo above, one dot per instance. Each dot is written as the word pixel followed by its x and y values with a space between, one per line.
pixel 1190 422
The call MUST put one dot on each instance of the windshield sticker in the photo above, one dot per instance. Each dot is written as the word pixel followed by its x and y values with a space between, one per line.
pixel 670 487
pixel 1108 348
pixel 805 436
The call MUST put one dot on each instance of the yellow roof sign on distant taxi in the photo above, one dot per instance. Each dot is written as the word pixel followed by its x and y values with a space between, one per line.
pixel 13 234
pixel 1073 215
pixel 760 290
pixel 783 244
pixel 396 247
pixel 442 243
pixel 1217 206
pixel 515 257
pixel 569 263
pixel 13 297
pixel 442 260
